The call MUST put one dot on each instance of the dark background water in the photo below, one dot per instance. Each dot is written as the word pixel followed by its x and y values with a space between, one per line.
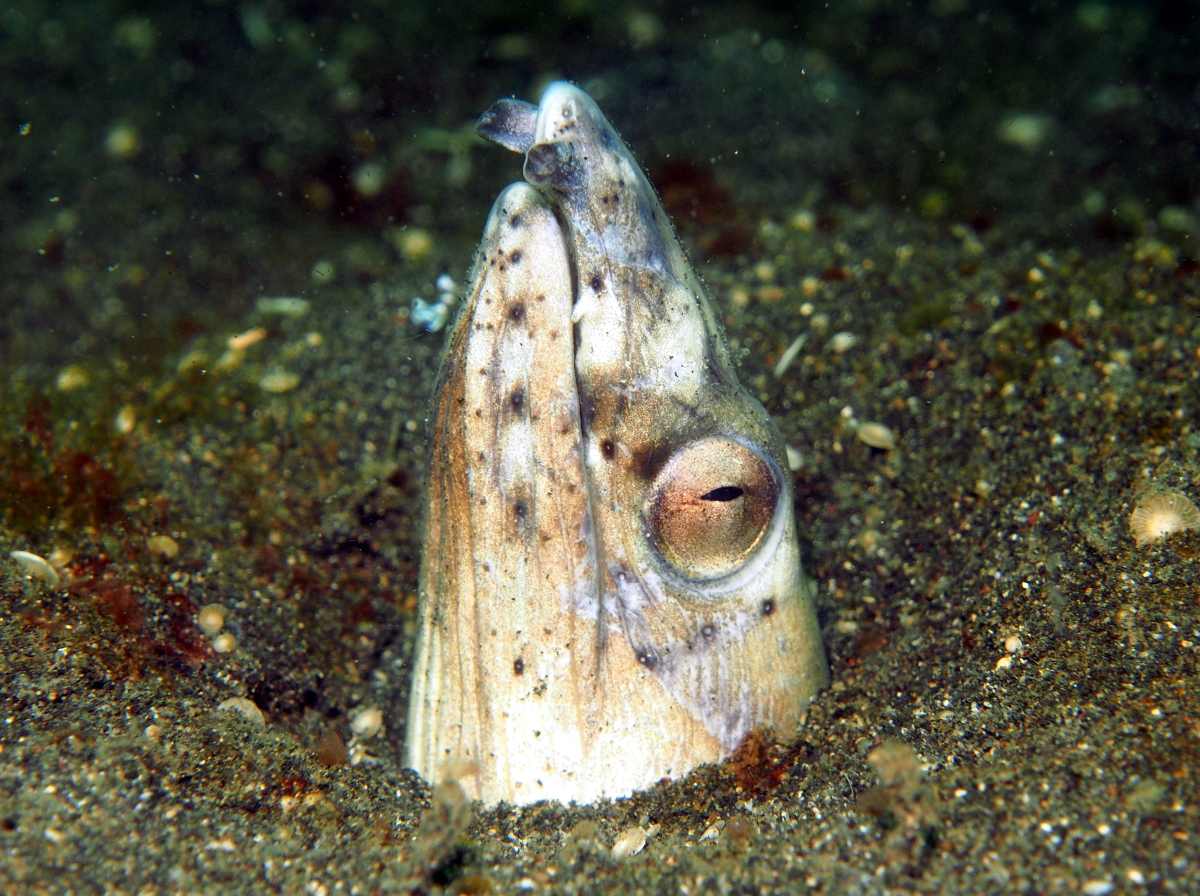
pixel 1063 121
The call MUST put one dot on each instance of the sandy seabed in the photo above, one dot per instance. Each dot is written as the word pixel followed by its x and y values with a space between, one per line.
pixel 1013 706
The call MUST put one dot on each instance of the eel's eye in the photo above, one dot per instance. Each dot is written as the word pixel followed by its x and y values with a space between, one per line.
pixel 710 506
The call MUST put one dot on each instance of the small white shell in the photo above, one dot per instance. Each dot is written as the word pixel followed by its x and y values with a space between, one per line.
pixel 35 567
pixel 876 435
pixel 1162 513
pixel 366 722
pixel 211 619
pixel 224 643
pixel 246 707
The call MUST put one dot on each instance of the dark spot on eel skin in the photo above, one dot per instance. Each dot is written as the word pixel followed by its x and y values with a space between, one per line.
pixel 517 399
pixel 596 283
pixel 516 313
pixel 520 510
pixel 768 606
pixel 608 448
pixel 515 258
pixel 518 666
pixel 649 457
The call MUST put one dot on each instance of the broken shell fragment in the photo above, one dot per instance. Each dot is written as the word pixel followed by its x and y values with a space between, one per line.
pixel 245 707
pixel 163 545
pixel 34 567
pixel 876 435
pixel 243 341
pixel 629 843
pixel 1158 514
pixel 283 306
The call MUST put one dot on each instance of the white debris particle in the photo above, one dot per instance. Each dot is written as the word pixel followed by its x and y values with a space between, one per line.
pixel 629 843
pixel 369 179
pixel 413 243
pixel 804 220
pixel 125 420
pixel 72 377
pixel 789 355
pixel 841 342
pixel 284 306
pixel 429 317
pixel 279 381
pixel 1025 131
pixel 122 141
